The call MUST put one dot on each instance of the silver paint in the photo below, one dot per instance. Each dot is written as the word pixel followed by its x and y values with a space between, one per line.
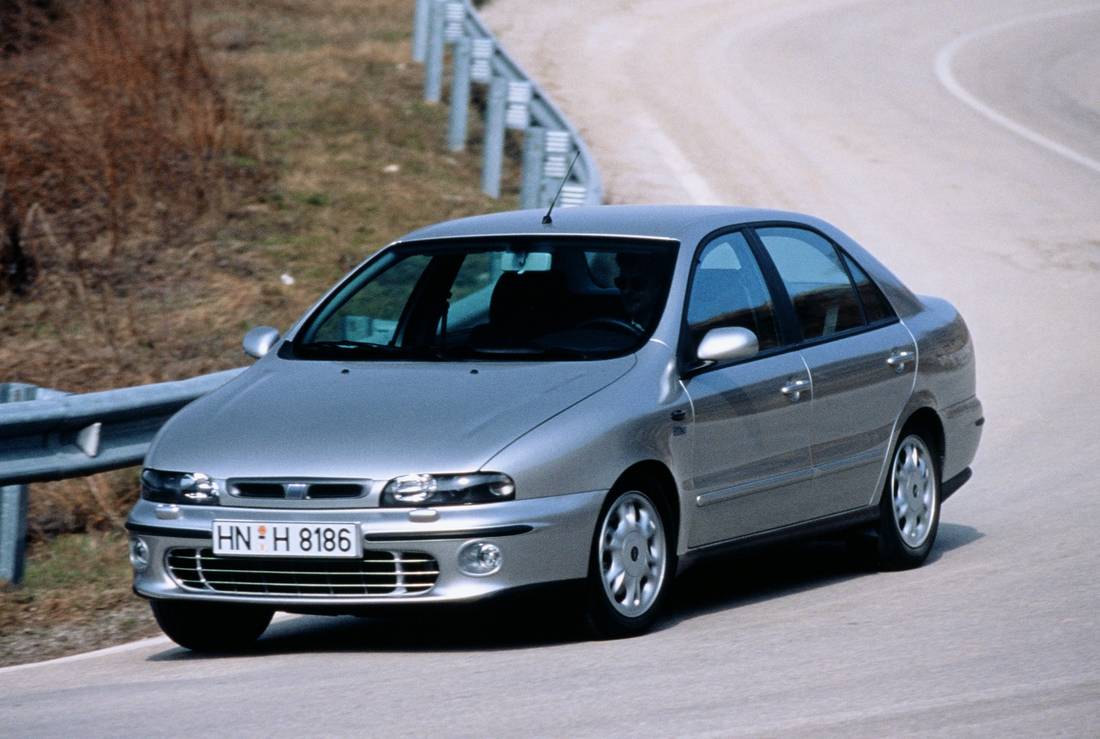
pixel 728 345
pixel 750 446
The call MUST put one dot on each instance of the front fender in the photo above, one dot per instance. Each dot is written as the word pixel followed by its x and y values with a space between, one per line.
pixel 588 446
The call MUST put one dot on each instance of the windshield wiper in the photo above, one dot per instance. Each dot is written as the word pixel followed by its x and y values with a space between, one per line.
pixel 565 352
pixel 347 347
pixel 535 352
pixel 351 347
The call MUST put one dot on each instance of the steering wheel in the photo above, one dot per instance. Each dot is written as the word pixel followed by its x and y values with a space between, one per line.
pixel 612 323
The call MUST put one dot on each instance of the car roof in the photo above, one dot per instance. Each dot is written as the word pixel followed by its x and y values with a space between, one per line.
pixel 686 224
pixel 680 222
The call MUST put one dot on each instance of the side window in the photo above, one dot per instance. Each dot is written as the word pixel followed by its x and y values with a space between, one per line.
pixel 729 290
pixel 810 268
pixel 875 306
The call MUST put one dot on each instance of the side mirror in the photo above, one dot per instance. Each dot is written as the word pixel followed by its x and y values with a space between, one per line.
pixel 727 345
pixel 259 341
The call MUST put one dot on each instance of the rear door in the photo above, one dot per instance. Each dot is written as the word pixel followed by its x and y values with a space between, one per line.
pixel 861 361
pixel 752 468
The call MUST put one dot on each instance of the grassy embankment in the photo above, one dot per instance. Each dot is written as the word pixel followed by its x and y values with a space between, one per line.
pixel 161 183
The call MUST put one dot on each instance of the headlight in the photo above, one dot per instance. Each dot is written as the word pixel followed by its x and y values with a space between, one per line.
pixel 432 490
pixel 187 488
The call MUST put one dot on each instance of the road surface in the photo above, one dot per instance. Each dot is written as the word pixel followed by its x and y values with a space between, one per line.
pixel 958 141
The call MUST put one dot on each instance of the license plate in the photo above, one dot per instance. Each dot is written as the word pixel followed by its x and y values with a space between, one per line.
pixel 287 539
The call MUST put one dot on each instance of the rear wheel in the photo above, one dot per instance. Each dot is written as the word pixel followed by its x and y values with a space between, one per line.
pixel 211 627
pixel 909 512
pixel 631 563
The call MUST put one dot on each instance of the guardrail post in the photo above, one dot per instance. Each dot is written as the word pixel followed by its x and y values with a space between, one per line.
pixel 534 146
pixel 420 30
pixel 433 74
pixel 454 25
pixel 460 96
pixel 558 153
pixel 13 504
pixel 481 68
pixel 441 23
pixel 518 115
pixel 494 137
pixel 13 533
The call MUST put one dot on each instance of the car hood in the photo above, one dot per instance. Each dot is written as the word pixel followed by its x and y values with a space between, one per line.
pixel 370 420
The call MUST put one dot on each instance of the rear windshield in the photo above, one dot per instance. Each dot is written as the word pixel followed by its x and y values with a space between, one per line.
pixel 522 299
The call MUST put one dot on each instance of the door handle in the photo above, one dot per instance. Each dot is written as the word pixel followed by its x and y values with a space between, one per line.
pixel 794 389
pixel 899 358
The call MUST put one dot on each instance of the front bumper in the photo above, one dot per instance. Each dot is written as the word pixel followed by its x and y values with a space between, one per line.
pixel 542 540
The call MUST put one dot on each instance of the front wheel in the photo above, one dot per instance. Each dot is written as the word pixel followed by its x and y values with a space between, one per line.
pixel 211 627
pixel 909 512
pixel 631 563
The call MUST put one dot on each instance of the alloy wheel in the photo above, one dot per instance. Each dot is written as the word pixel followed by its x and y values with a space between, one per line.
pixel 632 554
pixel 913 489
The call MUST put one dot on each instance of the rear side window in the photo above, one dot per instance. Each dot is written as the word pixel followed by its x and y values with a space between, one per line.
pixel 729 290
pixel 875 306
pixel 824 300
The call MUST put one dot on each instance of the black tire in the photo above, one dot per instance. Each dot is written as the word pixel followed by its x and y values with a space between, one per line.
pixel 900 546
pixel 604 614
pixel 211 627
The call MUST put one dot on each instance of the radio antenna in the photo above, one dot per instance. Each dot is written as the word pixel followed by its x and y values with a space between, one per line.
pixel 546 219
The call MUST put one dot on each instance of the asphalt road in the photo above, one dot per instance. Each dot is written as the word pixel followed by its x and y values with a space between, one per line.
pixel 958 142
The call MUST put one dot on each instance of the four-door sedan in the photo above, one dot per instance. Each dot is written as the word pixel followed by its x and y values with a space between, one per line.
pixel 493 403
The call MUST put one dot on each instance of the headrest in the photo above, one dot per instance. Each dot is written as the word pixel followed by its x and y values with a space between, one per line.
pixel 520 295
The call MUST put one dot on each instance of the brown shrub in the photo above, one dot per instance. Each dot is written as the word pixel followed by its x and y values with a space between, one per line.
pixel 22 23
pixel 112 127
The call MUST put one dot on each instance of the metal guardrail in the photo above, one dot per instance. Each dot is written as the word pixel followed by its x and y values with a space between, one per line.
pixel 74 435
pixel 51 435
pixel 514 101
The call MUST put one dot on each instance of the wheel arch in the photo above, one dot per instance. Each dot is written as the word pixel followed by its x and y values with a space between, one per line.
pixel 656 472
pixel 896 549
pixel 921 413
pixel 926 419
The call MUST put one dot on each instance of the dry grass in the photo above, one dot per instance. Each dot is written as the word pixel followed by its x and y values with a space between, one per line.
pixel 116 141
pixel 77 597
pixel 326 104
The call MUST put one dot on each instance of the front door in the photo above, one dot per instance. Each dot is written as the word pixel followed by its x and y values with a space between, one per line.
pixel 752 467
pixel 752 448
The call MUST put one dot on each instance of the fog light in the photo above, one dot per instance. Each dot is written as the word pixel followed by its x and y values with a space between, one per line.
pixel 139 554
pixel 480 558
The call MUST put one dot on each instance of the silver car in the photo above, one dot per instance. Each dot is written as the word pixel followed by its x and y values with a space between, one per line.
pixel 493 403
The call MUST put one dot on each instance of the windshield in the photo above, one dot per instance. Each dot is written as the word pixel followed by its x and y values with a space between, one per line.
pixel 524 299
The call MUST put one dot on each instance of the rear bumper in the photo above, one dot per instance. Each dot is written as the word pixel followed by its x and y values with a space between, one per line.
pixel 948 488
pixel 542 540
pixel 962 431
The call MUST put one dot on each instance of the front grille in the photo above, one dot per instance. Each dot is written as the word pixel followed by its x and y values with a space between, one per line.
pixel 334 490
pixel 260 490
pixel 376 574
pixel 296 491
